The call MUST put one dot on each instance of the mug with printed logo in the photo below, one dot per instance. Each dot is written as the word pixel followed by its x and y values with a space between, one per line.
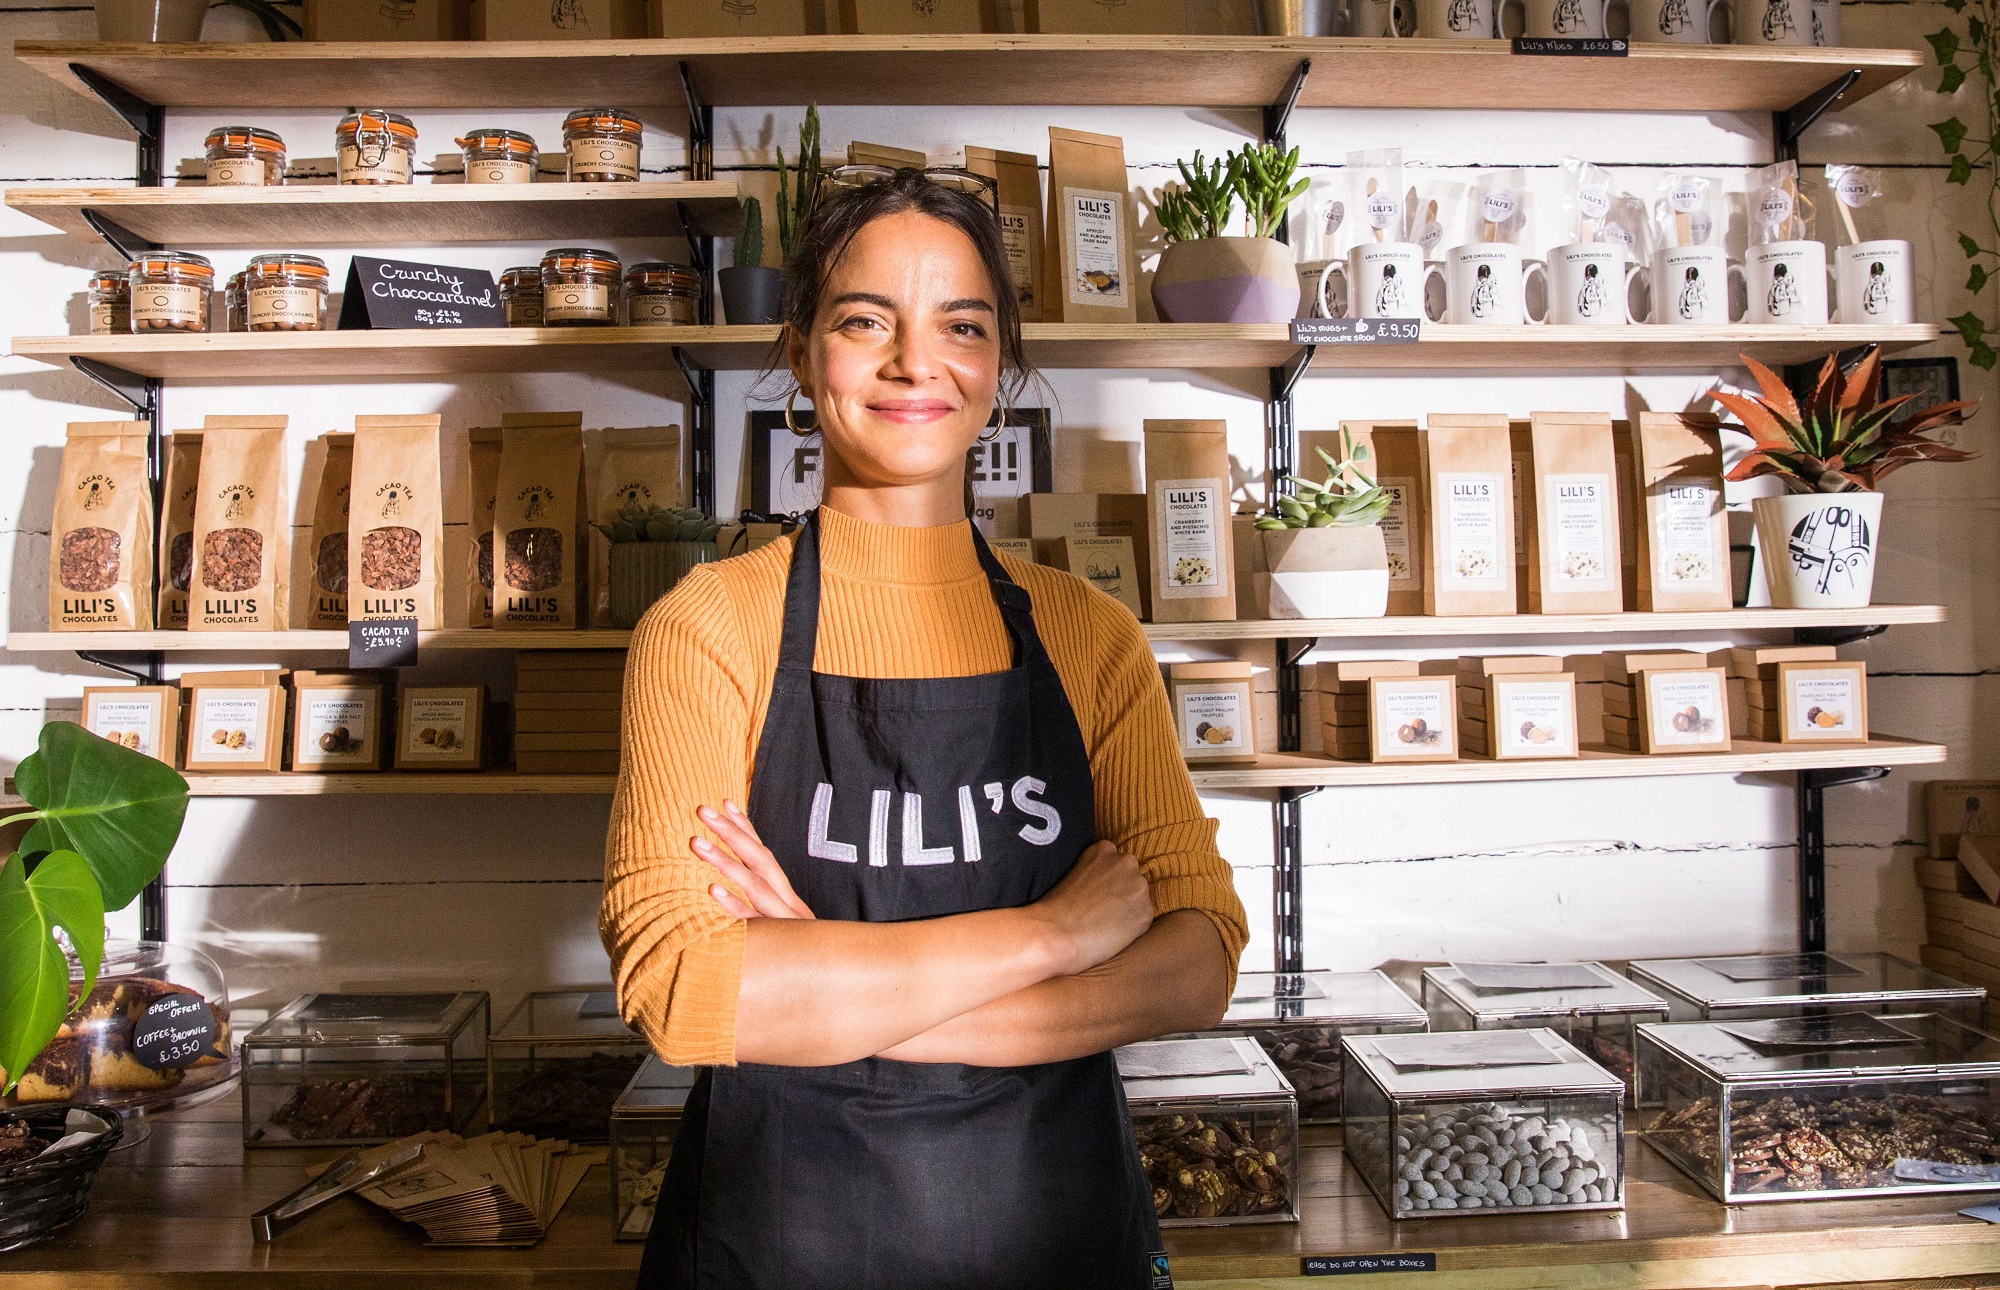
pixel 1787 283
pixel 1772 22
pixel 1676 22
pixel 1486 283
pixel 1689 285
pixel 1379 280
pixel 1459 19
pixel 1576 19
pixel 1589 284
pixel 1875 283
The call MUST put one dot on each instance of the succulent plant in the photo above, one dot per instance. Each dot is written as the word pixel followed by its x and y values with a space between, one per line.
pixel 1262 177
pixel 1842 440
pixel 1347 499
pixel 1202 205
pixel 638 522
pixel 750 237
pixel 795 202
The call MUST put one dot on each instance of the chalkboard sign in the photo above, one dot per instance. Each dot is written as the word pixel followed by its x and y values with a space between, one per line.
pixel 1348 1265
pixel 391 294
pixel 1571 46
pixel 382 642
pixel 177 1030
pixel 1356 331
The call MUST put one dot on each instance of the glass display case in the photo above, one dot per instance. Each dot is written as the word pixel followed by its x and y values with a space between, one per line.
pixel 1781 985
pixel 1218 1131
pixel 1586 1003
pixel 1845 1104
pixel 1300 1017
pixel 152 1034
pixel 644 1121
pixel 558 1063
pixel 349 1069
pixel 1512 1120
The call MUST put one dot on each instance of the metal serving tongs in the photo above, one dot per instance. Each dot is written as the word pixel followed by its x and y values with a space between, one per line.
pixel 342 1176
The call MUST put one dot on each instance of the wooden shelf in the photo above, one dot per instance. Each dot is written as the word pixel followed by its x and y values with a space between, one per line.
pixel 391 215
pixel 1190 71
pixel 369 355
pixel 183 1195
pixel 1748 757
pixel 1733 620
pixel 1273 770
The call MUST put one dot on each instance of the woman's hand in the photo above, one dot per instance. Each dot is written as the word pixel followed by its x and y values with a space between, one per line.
pixel 1101 906
pixel 743 859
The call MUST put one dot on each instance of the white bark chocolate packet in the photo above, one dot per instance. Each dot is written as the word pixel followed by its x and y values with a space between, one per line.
pixel 1469 557
pixel 1187 520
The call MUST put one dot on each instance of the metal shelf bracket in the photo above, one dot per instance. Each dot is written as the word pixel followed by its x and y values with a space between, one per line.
pixel 701 128
pixel 1279 114
pixel 123 240
pixel 1812 846
pixel 701 430
pixel 1789 124
pixel 141 393
pixel 1835 635
pixel 148 119
pixel 1288 923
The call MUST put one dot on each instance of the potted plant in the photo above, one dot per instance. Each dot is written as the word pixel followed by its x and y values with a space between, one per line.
pixel 1205 276
pixel 752 293
pixel 1821 536
pixel 652 548
pixel 1324 548
pixel 104 819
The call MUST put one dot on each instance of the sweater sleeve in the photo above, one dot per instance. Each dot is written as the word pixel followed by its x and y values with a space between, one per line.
pixel 676 957
pixel 1145 801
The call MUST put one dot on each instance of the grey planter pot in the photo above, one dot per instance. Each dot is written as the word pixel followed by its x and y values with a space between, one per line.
pixel 642 572
pixel 752 297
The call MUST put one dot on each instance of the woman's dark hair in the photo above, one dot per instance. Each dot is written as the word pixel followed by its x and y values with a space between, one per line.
pixel 844 212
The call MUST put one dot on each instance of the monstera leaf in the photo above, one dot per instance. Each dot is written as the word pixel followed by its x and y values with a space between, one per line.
pixel 34 974
pixel 119 809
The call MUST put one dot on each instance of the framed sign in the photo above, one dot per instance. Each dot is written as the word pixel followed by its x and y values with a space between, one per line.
pixel 785 467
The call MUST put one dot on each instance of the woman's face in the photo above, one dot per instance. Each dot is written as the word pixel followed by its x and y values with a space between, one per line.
pixel 903 363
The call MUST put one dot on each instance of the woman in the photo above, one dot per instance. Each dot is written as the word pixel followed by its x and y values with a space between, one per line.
pixel 969 861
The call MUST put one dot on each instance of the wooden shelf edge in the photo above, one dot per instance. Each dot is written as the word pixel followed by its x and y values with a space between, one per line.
pixel 1581 625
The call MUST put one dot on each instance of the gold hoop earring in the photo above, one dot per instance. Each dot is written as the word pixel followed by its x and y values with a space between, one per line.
pixel 790 425
pixel 997 430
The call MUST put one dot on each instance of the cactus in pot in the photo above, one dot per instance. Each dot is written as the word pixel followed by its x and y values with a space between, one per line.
pixel 652 549
pixel 752 294
pixel 1324 548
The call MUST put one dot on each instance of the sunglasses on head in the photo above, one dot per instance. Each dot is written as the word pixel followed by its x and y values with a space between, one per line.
pixel 956 178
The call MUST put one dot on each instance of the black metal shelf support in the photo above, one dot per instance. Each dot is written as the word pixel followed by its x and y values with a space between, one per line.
pixel 123 240
pixel 1789 124
pixel 1812 846
pixel 148 119
pixel 701 431
pixel 701 248
pixel 1835 635
pixel 1288 918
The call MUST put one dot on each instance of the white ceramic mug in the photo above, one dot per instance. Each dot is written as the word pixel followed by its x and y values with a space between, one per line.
pixel 1576 19
pixel 1589 284
pixel 1825 22
pixel 1875 282
pixel 1690 285
pixel 1772 22
pixel 1485 283
pixel 1380 17
pixel 1459 19
pixel 1787 282
pixel 1675 22
pixel 1379 280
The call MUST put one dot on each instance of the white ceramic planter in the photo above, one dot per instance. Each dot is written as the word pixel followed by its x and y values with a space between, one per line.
pixel 1819 549
pixel 1328 573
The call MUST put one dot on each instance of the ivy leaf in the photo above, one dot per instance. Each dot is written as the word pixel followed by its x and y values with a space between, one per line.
pixel 1967 245
pixel 1982 356
pixel 1961 170
pixel 1971 328
pixel 1976 281
pixel 1956 6
pixel 34 975
pixel 1950 133
pixel 1975 31
pixel 1944 43
pixel 1950 78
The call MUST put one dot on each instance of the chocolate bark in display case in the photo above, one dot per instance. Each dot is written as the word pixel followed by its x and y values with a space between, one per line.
pixel 644 1121
pixel 1299 1017
pixel 153 1032
pixel 1218 1131
pixel 1508 1121
pixel 1586 1003
pixel 1728 987
pixel 1835 1104
pixel 347 1069
pixel 558 1063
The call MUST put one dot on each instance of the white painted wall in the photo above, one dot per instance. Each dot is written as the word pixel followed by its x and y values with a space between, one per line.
pixel 293 894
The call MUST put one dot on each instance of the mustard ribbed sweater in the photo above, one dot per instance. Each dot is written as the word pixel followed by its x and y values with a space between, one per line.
pixel 894 602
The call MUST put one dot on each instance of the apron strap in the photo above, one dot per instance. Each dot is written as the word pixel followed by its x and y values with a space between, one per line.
pixel 801 625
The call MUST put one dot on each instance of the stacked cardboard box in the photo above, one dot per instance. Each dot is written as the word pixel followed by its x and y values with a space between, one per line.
pixel 1478 702
pixel 566 709
pixel 1343 702
pixel 1960 880
pixel 1623 703
pixel 1757 711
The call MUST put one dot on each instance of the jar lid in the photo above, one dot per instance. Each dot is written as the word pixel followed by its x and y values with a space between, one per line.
pixel 675 277
pixel 601 121
pixel 522 275
pixel 574 259
pixel 109 280
pixel 236 280
pixel 501 140
pixel 280 262
pixel 244 136
pixel 377 120
pixel 172 262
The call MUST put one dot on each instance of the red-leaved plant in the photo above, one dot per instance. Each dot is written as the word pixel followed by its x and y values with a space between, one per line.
pixel 1843 440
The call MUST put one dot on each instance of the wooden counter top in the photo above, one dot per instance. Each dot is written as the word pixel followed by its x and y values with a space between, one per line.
pixel 173 1212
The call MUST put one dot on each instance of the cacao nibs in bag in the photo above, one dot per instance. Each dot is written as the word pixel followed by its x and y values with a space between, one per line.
pixel 242 528
pixel 537 509
pixel 183 453
pixel 101 556
pixel 89 560
pixel 534 559
pixel 334 452
pixel 232 560
pixel 391 558
pixel 397 526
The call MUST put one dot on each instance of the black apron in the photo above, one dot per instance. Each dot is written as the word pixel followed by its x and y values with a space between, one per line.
pixel 888 800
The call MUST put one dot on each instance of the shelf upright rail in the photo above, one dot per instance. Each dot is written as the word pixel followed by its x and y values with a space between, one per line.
pixel 701 248
pixel 143 394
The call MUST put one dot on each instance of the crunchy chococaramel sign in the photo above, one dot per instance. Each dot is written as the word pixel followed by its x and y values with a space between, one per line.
pixel 390 294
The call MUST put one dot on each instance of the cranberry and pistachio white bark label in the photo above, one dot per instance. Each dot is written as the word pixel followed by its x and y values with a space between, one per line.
pixel 1580 513
pixel 229 725
pixel 1412 720
pixel 1395 526
pixel 1687 709
pixel 1823 704
pixel 1093 223
pixel 1213 721
pixel 169 302
pixel 1536 719
pixel 1684 535
pixel 1190 538
pixel 129 723
pixel 1472 521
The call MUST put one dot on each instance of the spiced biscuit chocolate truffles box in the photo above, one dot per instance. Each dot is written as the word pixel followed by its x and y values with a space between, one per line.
pixel 1218 1130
